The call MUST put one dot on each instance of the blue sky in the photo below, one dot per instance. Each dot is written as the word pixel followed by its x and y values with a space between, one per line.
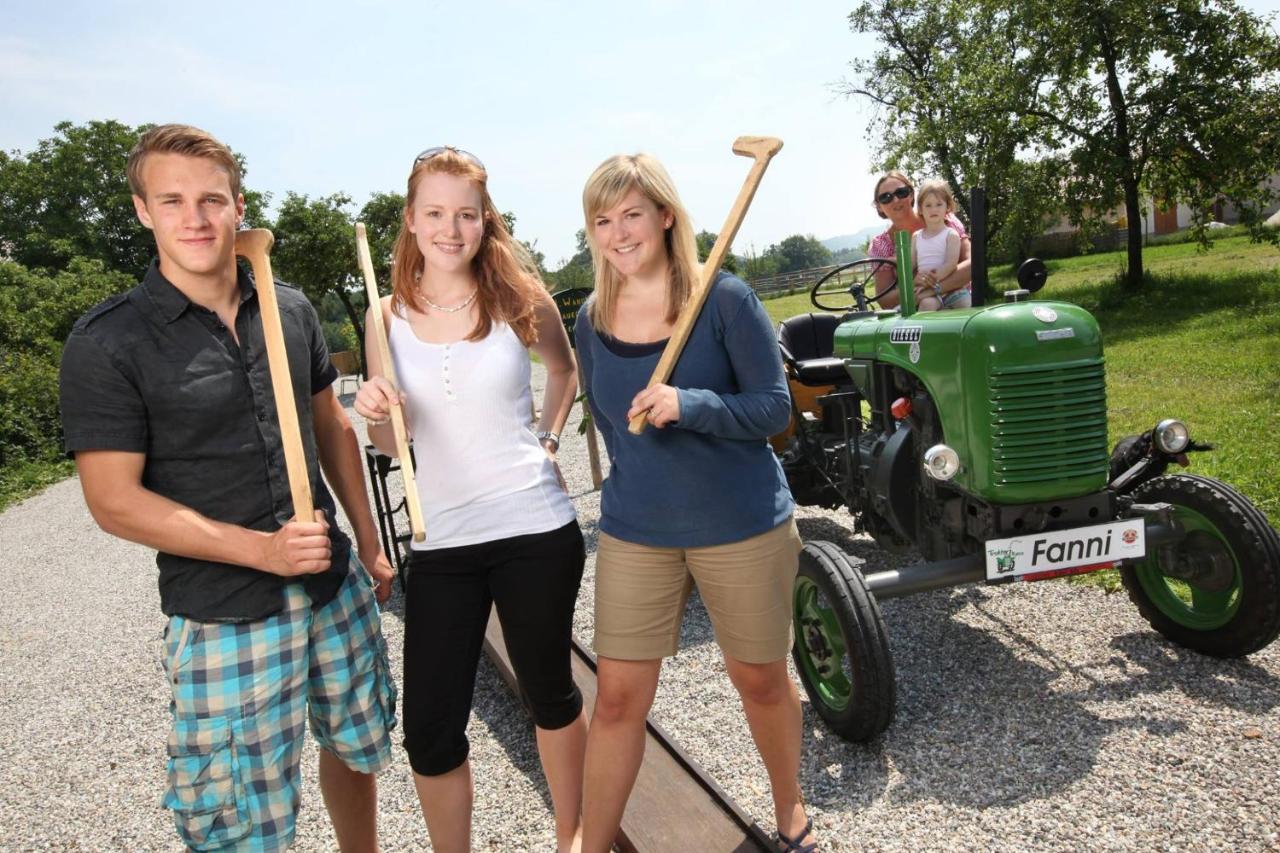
pixel 323 97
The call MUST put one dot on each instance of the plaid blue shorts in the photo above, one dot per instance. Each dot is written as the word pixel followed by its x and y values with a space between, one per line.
pixel 242 693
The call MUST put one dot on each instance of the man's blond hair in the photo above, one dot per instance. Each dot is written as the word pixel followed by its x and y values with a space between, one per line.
pixel 180 139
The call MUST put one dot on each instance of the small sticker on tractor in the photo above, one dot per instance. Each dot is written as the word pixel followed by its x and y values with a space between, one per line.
pixel 914 353
pixel 905 334
pixel 1047 315
pixel 1006 559
pixel 1055 334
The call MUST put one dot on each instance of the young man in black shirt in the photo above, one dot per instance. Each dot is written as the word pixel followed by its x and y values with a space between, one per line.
pixel 167 407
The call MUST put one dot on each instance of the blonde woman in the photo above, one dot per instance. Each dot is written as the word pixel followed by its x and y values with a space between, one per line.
pixel 697 498
pixel 466 307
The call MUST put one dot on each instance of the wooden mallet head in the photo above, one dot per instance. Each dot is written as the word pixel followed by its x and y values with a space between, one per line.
pixel 757 147
pixel 256 241
pixel 760 149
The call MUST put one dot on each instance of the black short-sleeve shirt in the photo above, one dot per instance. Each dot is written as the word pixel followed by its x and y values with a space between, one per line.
pixel 151 372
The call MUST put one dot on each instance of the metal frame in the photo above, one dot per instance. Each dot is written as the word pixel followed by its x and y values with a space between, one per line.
pixel 380 465
pixel 958 571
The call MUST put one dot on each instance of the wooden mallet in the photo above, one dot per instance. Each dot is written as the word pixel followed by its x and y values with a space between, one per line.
pixel 379 330
pixel 255 246
pixel 761 149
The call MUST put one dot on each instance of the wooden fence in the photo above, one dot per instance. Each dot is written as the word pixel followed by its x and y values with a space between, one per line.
pixel 788 283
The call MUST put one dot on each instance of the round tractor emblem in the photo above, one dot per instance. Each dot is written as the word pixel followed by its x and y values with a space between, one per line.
pixel 1129 536
pixel 1047 315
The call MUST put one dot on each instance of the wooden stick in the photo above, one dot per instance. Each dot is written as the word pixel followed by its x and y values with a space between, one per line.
pixel 389 371
pixel 761 149
pixel 255 245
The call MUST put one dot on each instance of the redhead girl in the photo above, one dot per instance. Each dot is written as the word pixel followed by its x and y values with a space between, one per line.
pixel 466 308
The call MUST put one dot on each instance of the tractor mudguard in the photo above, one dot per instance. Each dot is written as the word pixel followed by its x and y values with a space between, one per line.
pixel 894 479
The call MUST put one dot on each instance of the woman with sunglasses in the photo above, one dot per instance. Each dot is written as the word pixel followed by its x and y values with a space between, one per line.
pixel 466 308
pixel 697 498
pixel 894 199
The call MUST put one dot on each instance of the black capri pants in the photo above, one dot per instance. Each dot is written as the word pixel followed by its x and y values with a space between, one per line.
pixel 533 581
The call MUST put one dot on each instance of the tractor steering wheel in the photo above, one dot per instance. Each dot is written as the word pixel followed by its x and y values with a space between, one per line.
pixel 851 280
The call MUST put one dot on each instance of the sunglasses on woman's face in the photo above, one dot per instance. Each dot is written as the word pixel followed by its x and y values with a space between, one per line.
pixel 889 195
pixel 440 149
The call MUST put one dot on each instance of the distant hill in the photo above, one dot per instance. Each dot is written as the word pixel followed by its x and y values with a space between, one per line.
pixel 852 241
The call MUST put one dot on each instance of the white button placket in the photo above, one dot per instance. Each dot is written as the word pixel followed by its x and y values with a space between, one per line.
pixel 444 373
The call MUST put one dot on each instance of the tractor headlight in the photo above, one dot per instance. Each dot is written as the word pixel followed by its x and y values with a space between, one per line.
pixel 1171 436
pixel 941 462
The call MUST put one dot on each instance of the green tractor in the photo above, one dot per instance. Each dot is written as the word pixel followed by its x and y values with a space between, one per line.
pixel 978 437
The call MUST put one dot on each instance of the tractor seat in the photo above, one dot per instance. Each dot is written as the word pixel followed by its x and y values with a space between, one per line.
pixel 807 342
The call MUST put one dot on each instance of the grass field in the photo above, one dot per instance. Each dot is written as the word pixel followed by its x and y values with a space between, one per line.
pixel 1200 343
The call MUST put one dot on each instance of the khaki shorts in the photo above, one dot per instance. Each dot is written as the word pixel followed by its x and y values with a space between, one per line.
pixel 641 592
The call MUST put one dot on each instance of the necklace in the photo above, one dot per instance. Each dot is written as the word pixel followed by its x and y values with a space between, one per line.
pixel 455 308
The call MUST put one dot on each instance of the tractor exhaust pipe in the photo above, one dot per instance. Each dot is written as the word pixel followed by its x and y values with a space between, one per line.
pixel 978 245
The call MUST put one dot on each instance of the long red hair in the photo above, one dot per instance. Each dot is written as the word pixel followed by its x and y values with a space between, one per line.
pixel 506 277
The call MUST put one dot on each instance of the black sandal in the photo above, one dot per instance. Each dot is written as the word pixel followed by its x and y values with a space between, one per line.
pixel 796 845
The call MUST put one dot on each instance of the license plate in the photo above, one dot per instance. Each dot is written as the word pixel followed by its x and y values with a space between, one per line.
pixel 1052 553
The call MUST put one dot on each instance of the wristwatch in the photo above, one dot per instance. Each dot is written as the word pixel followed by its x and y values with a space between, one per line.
pixel 548 435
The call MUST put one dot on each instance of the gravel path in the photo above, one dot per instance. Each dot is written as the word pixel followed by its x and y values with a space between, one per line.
pixel 1030 717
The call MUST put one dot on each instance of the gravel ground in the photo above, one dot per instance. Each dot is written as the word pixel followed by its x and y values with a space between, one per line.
pixel 1030 717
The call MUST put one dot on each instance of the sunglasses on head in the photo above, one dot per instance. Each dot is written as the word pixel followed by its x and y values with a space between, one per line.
pixel 440 149
pixel 889 195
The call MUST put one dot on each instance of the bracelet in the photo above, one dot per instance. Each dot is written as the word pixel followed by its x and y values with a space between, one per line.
pixel 548 435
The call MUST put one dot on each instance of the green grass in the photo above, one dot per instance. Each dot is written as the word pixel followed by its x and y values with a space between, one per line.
pixel 23 479
pixel 1092 273
pixel 1201 342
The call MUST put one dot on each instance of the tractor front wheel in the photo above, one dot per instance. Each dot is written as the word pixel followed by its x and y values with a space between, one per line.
pixel 841 649
pixel 1217 590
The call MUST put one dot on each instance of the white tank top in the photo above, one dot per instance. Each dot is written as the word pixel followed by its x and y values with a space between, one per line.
pixel 931 252
pixel 482 475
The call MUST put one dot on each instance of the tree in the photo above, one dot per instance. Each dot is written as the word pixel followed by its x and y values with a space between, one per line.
pixel 1036 190
pixel 315 249
pixel 577 271
pixel 537 257
pixel 706 240
pixel 799 252
pixel 946 86
pixel 847 255
pixel 1110 101
pixel 70 197
pixel 1179 102
pixel 383 216
pixel 37 311
pixel 756 267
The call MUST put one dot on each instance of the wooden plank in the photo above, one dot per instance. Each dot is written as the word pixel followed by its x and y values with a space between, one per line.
pixel 675 805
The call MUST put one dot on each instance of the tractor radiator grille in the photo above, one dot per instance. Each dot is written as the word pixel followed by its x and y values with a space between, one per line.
pixel 1048 422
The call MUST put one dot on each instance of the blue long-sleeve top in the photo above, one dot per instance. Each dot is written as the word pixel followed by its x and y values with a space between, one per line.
pixel 710 477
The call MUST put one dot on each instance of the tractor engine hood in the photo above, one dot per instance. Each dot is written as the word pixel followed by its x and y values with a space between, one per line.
pixel 1019 387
